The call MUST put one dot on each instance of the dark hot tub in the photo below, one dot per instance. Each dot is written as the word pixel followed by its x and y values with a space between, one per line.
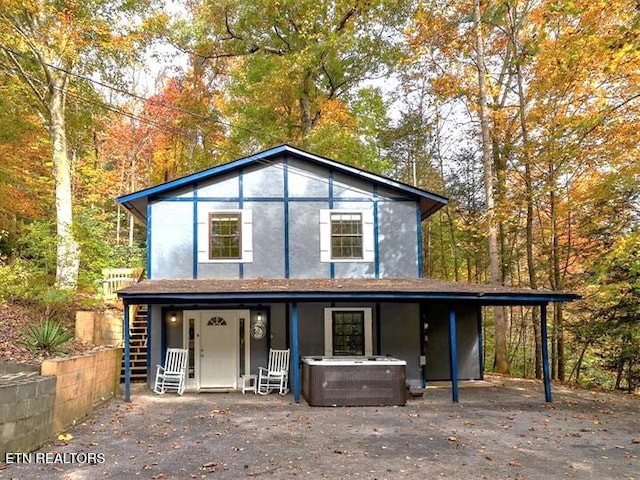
pixel 353 381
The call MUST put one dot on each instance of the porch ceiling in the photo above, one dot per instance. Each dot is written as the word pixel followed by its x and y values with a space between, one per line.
pixel 343 289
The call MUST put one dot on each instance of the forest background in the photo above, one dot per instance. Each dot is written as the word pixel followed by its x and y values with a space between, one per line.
pixel 523 112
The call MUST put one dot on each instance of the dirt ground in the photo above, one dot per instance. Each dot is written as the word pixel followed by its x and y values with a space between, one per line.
pixel 501 429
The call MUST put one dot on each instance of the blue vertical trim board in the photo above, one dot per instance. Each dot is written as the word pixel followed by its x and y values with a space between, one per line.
pixel 149 275
pixel 127 353
pixel 419 243
pixel 480 342
pixel 332 265
pixel 453 354
pixel 241 206
pixel 195 231
pixel 376 233
pixel 545 353
pixel 285 172
pixel 295 367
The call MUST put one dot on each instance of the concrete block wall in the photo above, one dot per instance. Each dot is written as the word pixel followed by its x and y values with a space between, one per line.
pixel 8 368
pixel 100 328
pixel 82 382
pixel 26 412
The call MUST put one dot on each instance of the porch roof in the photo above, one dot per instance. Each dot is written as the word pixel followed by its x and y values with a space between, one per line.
pixel 338 289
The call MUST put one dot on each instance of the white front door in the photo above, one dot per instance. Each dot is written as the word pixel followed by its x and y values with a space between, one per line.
pixel 218 349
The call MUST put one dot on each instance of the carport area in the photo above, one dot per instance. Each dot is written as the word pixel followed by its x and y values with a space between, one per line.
pixel 502 428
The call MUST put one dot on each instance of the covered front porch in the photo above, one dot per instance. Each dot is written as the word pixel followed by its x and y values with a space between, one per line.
pixel 297 314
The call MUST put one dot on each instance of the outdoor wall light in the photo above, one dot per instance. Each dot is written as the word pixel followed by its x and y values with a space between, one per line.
pixel 258 329
pixel 173 318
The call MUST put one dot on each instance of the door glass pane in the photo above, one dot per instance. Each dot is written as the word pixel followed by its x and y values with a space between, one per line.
pixel 348 333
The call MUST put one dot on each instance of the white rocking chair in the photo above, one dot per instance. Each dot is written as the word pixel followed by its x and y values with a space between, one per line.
pixel 172 375
pixel 276 375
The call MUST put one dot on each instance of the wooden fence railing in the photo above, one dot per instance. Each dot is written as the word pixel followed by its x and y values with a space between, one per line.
pixel 113 279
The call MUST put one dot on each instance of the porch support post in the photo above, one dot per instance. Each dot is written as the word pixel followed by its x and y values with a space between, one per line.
pixel 295 361
pixel 480 343
pixel 453 354
pixel 545 353
pixel 127 353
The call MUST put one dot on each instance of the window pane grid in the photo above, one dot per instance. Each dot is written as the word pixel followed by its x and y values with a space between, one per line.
pixel 224 237
pixel 348 333
pixel 346 235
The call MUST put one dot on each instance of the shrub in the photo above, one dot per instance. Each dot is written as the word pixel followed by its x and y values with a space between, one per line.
pixel 46 337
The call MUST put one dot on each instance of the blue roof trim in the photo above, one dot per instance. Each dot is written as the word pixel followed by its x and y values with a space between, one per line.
pixel 146 194
pixel 196 177
pixel 484 299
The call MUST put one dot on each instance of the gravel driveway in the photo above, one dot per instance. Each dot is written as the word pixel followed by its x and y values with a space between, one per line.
pixel 502 428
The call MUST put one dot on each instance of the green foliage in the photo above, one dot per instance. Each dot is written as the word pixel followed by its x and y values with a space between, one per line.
pixel 96 233
pixel 299 66
pixel 613 309
pixel 22 280
pixel 37 244
pixel 46 337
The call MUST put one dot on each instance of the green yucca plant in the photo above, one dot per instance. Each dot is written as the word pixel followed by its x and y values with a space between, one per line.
pixel 46 337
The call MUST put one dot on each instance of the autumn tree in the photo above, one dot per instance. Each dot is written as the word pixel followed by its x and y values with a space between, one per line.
pixel 295 66
pixel 46 44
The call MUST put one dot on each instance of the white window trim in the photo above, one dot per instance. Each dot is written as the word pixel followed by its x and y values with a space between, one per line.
pixel 368 244
pixel 328 329
pixel 246 219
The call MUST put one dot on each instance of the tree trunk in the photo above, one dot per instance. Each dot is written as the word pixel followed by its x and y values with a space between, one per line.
pixel 68 250
pixel 501 359
pixel 578 367
pixel 528 181
pixel 556 284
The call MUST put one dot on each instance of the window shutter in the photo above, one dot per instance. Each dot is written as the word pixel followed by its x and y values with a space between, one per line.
pixel 368 238
pixel 203 237
pixel 325 235
pixel 247 236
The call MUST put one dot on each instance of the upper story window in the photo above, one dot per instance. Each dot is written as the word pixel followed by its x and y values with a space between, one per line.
pixel 346 236
pixel 225 236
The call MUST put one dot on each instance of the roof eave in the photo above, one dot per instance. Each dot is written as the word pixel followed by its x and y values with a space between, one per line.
pixel 484 299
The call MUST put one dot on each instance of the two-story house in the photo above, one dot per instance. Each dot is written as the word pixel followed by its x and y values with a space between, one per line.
pixel 287 249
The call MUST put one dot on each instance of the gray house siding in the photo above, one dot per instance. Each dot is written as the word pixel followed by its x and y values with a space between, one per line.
pixel 171 245
pixel 400 324
pixel 268 241
pixel 437 345
pixel 285 198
